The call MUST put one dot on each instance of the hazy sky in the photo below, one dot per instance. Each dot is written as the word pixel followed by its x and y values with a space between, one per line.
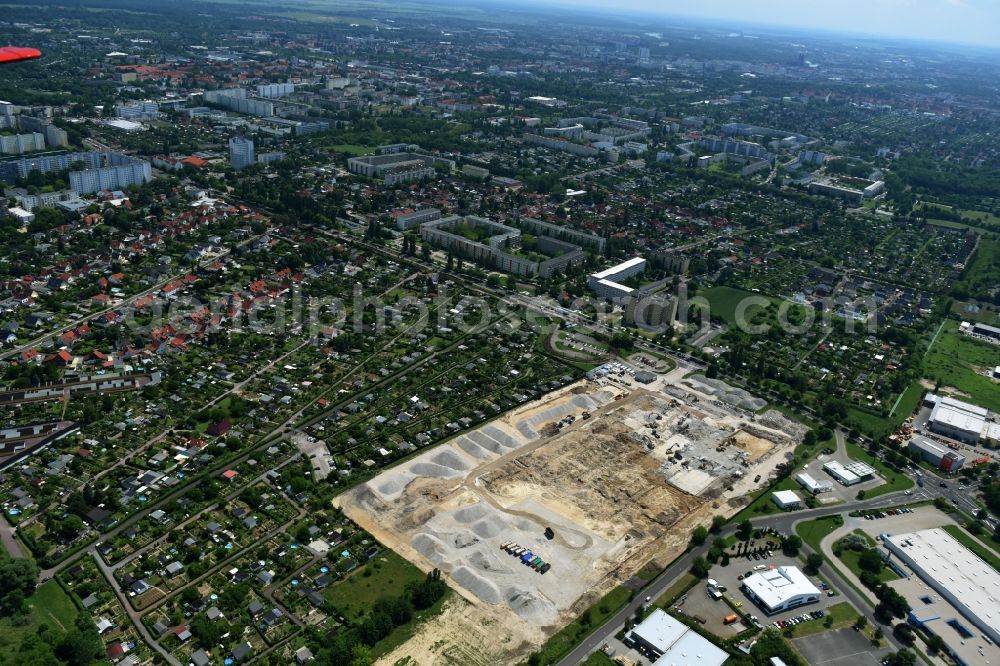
pixel 970 21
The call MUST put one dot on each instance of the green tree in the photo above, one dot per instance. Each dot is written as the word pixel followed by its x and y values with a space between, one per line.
pixel 902 658
pixel 17 583
pixel 792 544
pixel 814 561
pixel 699 535
pixel 718 522
pixel 700 567
pixel 82 644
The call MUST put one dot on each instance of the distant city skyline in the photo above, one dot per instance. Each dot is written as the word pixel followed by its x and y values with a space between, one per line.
pixel 958 21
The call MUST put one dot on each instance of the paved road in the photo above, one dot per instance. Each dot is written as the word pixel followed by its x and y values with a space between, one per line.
pixel 10 544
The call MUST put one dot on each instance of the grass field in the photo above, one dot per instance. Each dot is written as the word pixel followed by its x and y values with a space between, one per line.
pixel 724 302
pixel 385 576
pixel 987 314
pixel 352 149
pixel 48 606
pixel 970 217
pixel 814 531
pixel 850 560
pixel 969 542
pixel 569 637
pixel 907 403
pixel 842 615
pixel 954 361
pixel 670 595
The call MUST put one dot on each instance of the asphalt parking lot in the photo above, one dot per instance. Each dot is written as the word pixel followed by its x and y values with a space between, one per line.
pixel 728 577
pixel 844 647
pixel 697 602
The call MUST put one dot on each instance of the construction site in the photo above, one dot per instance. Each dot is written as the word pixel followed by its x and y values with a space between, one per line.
pixel 535 515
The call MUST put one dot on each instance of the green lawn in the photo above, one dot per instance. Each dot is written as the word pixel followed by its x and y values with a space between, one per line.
pixel 966 540
pixel 873 425
pixel 906 403
pixel 387 575
pixel 850 559
pixel 48 606
pixel 955 359
pixel 569 637
pixel 724 301
pixel 843 615
pixel 814 531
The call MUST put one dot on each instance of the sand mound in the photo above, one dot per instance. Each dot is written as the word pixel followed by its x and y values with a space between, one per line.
pixel 500 436
pixel 449 458
pixel 487 442
pixel 465 540
pixel 429 546
pixel 489 563
pixel 473 449
pixel 477 585
pixel 489 527
pixel 472 513
pixel 392 485
pixel 433 469
pixel 530 606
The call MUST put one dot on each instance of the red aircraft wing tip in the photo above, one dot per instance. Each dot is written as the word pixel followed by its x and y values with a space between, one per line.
pixel 18 53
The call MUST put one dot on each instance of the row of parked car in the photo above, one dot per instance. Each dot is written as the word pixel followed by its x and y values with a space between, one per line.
pixel 890 512
pixel 805 617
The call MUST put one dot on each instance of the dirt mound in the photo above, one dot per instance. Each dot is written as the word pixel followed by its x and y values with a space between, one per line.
pixel 477 585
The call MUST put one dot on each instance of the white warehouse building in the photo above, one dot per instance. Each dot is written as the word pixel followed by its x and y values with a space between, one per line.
pixel 786 499
pixel 776 590
pixel 971 585
pixel 674 643
pixel 956 419
pixel 812 485
pixel 849 474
